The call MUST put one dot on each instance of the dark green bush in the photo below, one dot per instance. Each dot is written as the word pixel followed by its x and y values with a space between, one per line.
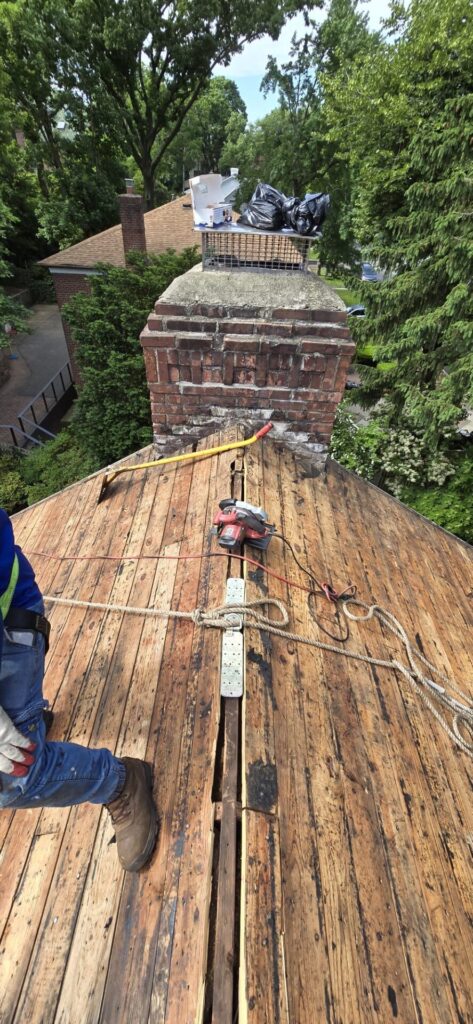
pixel 113 416
pixel 55 465
pixel 13 494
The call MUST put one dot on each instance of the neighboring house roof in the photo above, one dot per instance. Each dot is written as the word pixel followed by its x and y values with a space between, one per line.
pixel 167 227
pixel 357 818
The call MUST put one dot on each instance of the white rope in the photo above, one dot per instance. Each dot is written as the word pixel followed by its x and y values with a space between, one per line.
pixel 428 690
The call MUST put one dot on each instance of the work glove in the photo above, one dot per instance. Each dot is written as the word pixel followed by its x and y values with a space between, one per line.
pixel 15 749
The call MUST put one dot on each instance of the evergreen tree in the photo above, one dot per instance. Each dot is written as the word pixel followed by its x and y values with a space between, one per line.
pixel 112 414
pixel 414 208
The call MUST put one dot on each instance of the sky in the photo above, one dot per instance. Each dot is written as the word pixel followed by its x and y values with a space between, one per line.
pixel 247 68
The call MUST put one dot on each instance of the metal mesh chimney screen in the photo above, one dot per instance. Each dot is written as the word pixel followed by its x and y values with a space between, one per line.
pixel 254 251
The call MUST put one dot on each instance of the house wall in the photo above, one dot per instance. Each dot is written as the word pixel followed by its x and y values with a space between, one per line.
pixel 285 357
pixel 66 285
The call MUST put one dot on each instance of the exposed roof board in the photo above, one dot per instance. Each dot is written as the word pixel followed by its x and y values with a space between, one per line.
pixel 357 819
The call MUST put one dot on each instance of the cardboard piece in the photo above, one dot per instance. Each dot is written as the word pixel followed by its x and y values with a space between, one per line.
pixel 211 196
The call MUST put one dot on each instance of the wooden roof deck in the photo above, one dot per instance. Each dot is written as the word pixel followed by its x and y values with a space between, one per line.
pixel 355 847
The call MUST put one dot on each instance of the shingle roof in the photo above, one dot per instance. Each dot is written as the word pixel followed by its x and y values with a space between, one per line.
pixel 356 810
pixel 167 227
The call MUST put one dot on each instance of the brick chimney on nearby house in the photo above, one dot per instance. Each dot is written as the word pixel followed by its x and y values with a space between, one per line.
pixel 132 220
pixel 226 345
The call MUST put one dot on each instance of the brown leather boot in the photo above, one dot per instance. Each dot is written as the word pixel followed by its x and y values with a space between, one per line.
pixel 134 816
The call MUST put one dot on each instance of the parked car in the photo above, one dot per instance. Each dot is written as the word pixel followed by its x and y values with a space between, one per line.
pixel 369 273
pixel 356 310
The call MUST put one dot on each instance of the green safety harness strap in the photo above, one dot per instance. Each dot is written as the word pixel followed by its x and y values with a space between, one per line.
pixel 7 597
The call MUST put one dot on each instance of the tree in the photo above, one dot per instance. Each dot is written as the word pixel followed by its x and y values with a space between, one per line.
pixel 112 416
pixel 148 61
pixel 218 114
pixel 16 217
pixel 409 127
pixel 75 174
pixel 293 147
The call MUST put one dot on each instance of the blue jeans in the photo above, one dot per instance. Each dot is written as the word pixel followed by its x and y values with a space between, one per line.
pixel 62 774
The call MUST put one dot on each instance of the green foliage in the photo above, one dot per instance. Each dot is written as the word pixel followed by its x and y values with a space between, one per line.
pixel 12 485
pixel 26 478
pixel 39 282
pixel 359 448
pixel 113 412
pixel 55 465
pixel 218 114
pixel 394 456
pixel 137 66
pixel 437 483
pixel 406 119
pixel 450 506
pixel 292 147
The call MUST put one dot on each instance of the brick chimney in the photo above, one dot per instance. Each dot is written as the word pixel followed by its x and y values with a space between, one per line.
pixel 228 345
pixel 132 220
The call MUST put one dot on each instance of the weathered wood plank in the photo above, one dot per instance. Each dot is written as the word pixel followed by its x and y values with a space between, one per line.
pixel 263 994
pixel 64 825
pixel 162 925
pixel 224 965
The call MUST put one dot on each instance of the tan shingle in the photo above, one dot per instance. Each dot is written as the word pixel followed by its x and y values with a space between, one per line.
pixel 167 227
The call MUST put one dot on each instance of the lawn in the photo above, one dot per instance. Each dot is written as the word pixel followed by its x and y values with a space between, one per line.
pixel 349 297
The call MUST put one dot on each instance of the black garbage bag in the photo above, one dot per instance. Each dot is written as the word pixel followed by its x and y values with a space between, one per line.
pixel 306 216
pixel 290 208
pixel 270 210
pixel 265 209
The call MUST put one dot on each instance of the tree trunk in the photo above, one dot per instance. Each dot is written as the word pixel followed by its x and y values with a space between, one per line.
pixel 148 186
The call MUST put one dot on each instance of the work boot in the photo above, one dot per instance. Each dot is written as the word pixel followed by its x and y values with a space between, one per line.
pixel 134 816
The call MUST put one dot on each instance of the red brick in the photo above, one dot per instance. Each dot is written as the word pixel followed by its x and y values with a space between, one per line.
pixel 245 360
pixel 156 323
pixel 248 312
pixel 162 360
pixel 227 374
pixel 244 376
pixel 314 362
pixel 292 314
pixel 214 374
pixel 194 344
pixel 196 371
pixel 202 309
pixel 249 343
pixel 238 327
pixel 324 331
pixel 266 327
pixel 312 315
pixel 190 326
pixel 175 420
pixel 162 389
pixel 261 370
pixel 174 374
pixel 313 346
pixel 150 365
pixel 169 309
pixel 150 340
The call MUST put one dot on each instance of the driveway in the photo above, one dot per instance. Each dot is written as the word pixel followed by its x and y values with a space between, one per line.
pixel 40 355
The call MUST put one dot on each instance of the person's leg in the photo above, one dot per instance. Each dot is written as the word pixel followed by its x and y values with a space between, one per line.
pixel 65 774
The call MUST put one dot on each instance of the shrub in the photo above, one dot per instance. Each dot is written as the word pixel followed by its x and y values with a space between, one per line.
pixel 113 416
pixel 55 465
pixel 13 493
